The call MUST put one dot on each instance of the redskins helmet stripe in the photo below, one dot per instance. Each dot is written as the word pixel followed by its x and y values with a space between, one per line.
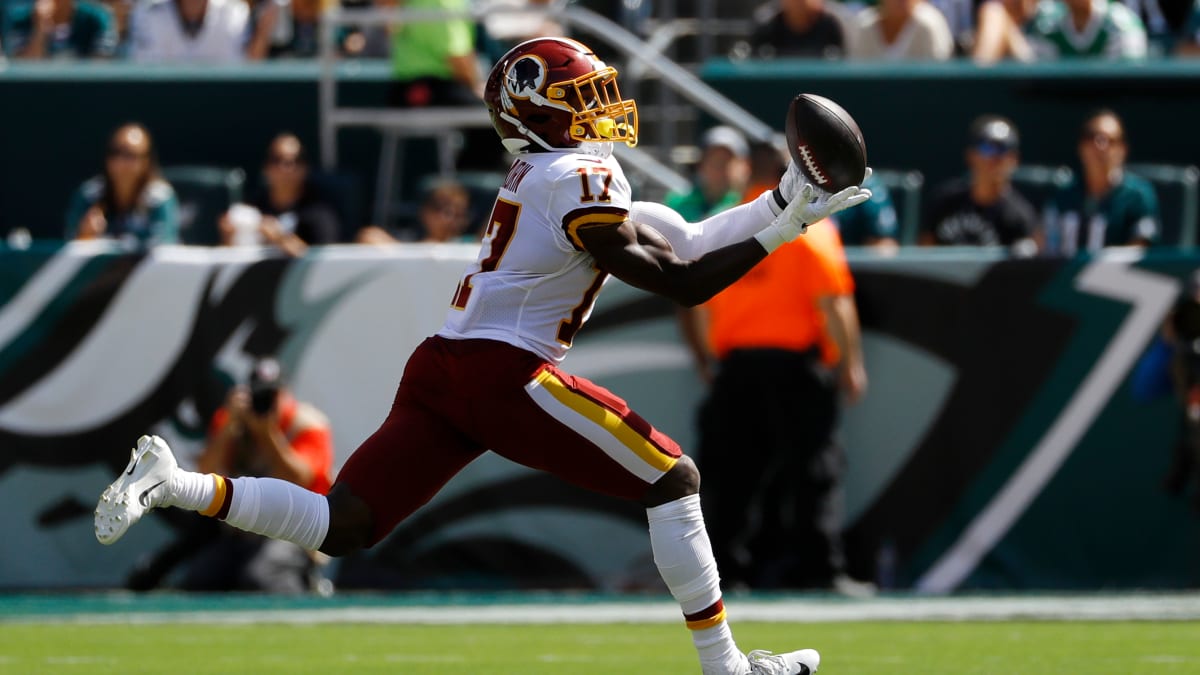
pixel 556 94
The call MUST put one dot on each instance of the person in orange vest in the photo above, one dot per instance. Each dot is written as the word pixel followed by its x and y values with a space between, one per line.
pixel 781 350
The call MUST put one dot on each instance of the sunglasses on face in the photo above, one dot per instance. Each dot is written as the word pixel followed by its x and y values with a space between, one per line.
pixel 126 153
pixel 1100 138
pixel 992 149
pixel 447 209
pixel 283 161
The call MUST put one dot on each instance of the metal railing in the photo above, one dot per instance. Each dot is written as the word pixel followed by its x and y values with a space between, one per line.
pixel 442 122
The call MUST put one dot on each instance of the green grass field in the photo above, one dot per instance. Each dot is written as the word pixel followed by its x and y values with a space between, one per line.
pixel 852 648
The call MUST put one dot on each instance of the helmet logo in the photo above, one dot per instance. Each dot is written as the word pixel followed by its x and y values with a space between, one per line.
pixel 525 77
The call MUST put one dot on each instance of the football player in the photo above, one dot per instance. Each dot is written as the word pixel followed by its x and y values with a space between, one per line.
pixel 561 224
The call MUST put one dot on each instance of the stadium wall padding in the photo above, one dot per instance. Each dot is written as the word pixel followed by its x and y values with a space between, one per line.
pixel 1000 445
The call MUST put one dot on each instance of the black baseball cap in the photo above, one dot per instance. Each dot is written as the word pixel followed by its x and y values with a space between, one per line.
pixel 993 135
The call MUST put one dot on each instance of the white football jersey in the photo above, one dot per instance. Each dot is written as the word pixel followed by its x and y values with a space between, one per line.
pixel 533 285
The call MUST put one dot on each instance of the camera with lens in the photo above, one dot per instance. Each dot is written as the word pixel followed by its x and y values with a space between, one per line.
pixel 265 382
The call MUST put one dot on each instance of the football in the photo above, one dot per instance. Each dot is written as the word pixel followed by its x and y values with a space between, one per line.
pixel 825 142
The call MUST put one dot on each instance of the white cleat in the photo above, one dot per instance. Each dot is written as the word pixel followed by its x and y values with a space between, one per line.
pixel 803 662
pixel 143 486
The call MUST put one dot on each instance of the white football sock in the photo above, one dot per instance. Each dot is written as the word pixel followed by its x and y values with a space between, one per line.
pixel 685 560
pixel 278 509
pixel 267 506
pixel 190 490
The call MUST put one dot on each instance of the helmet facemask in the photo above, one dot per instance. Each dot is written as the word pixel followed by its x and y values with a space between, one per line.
pixel 599 112
pixel 583 114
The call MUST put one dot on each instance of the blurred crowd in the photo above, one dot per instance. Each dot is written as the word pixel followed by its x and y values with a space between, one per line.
pixel 984 30
pixel 227 31
pixel 1101 205
pixel 442 62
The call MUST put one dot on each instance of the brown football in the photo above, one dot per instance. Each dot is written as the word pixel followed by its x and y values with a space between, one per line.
pixel 825 142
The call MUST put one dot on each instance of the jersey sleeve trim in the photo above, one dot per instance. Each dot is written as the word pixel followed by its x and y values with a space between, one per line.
pixel 591 216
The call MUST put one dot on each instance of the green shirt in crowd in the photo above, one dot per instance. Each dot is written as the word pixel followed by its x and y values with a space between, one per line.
pixel 694 207
pixel 1078 222
pixel 155 220
pixel 92 32
pixel 870 221
pixel 1113 32
pixel 421 48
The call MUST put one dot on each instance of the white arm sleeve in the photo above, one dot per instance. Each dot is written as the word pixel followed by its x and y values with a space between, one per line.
pixel 692 240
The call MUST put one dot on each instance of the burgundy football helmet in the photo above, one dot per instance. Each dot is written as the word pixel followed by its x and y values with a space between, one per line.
pixel 554 93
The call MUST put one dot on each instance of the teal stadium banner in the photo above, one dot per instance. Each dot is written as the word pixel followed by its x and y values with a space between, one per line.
pixel 1001 445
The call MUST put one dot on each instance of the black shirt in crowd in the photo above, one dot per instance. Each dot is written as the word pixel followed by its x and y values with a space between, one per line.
pixel 954 219
pixel 774 39
pixel 312 218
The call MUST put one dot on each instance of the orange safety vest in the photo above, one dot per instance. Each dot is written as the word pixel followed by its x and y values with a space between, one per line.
pixel 774 306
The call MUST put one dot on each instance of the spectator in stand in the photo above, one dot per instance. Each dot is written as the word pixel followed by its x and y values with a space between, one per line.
pixel 435 63
pixel 720 179
pixel 983 209
pixel 364 42
pixel 874 223
pixel 444 216
pixel 121 12
pixel 47 29
pixel 197 31
pixel 1000 31
pixel 899 30
pixel 1069 29
pixel 511 22
pixel 795 29
pixel 128 201
pixel 285 29
pixel 1164 20
pixel 290 212
pixel 960 17
pixel 1186 41
pixel 1106 205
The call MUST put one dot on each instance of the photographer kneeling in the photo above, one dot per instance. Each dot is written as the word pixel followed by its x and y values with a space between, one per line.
pixel 262 430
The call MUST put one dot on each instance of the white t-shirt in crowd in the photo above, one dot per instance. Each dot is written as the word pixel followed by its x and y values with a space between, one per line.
pixel 158 35
pixel 925 36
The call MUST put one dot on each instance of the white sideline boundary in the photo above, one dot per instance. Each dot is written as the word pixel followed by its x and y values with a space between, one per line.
pixel 1182 607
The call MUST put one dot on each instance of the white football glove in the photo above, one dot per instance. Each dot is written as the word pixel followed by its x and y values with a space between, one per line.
pixel 790 185
pixel 811 205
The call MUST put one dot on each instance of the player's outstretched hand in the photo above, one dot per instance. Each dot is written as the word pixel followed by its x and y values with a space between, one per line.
pixel 793 182
pixel 789 186
pixel 810 205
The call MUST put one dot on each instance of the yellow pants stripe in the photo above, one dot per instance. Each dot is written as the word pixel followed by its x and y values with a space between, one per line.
pixel 622 439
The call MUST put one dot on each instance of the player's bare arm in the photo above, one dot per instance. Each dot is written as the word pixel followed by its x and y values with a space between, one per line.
pixel 640 256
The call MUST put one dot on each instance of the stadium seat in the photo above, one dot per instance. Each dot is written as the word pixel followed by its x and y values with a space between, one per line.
pixel 1178 188
pixel 345 191
pixel 1037 182
pixel 905 188
pixel 204 193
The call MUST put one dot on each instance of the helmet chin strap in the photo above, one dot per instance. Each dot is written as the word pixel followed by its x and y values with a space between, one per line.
pixel 526 132
pixel 516 145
